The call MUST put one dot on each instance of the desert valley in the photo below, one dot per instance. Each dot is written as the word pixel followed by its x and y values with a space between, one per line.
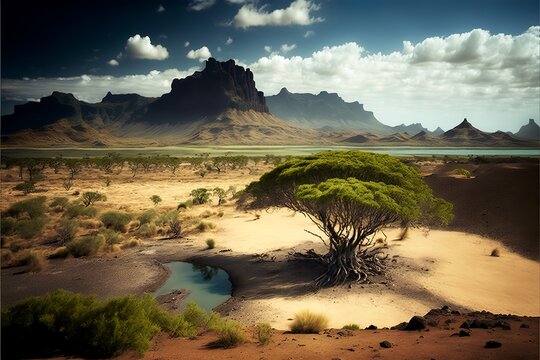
pixel 188 214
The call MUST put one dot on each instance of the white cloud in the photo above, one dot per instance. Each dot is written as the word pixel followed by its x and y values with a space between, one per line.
pixel 201 54
pixel 113 62
pixel 297 13
pixel 229 41
pixel 236 1
pixel 138 47
pixel 186 44
pixel 198 5
pixel 268 49
pixel 285 48
pixel 160 9
pixel 309 33
pixel 218 49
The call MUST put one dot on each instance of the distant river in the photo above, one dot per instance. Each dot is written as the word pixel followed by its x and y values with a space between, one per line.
pixel 254 150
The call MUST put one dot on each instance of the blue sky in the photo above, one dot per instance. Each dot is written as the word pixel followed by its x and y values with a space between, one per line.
pixel 75 46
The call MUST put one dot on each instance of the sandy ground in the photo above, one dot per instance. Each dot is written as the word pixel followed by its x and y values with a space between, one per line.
pixel 427 270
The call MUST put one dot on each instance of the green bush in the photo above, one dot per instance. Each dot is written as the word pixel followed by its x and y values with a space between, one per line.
pixel 67 230
pixel 147 230
pixel 351 327
pixel 147 216
pixel 205 226
pixel 90 197
pixel 30 228
pixel 307 322
pixel 156 199
pixel 85 245
pixel 211 243
pixel 7 226
pixel 200 196
pixel 463 172
pixel 264 333
pixel 110 237
pixel 185 205
pixel 26 187
pixel 175 226
pixel 76 210
pixel 34 208
pixel 230 334
pixel 59 203
pixel 78 325
pixel 115 220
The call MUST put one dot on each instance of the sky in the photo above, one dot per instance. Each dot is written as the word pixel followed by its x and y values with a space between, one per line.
pixel 429 61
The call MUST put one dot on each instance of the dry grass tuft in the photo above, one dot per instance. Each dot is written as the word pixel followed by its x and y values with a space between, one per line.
pixel 307 322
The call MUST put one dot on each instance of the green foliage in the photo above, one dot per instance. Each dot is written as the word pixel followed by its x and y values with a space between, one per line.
pixel 221 195
pixel 185 205
pixel 200 196
pixel 351 327
pixel 90 197
pixel 230 334
pixel 115 220
pixel 203 226
pixel 29 228
pixel 155 199
pixel 33 208
pixel 7 226
pixel 83 326
pixel 147 230
pixel 263 333
pixel 110 237
pixel 75 210
pixel 59 203
pixel 86 245
pixel 67 230
pixel 211 243
pixel 307 322
pixel 147 216
pixel 464 172
pixel 26 187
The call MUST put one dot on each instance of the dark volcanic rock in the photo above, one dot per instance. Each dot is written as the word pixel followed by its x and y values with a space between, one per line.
pixel 416 323
pixel 463 333
pixel 493 344
pixel 220 86
pixel 385 344
pixel 371 327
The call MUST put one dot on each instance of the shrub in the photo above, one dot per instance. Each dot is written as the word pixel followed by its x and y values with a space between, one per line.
pixel 203 226
pixel 495 252
pixel 147 230
pixel 130 244
pixel 155 199
pixel 211 243
pixel 107 181
pixel 7 226
pixel 76 210
pixel 90 197
pixel 34 208
pixel 200 196
pixel 463 172
pixel 61 252
pixel 115 220
pixel 185 205
pixel 33 260
pixel 86 245
pixel 307 322
pixel 230 334
pixel 264 333
pixel 59 203
pixel 67 230
pixel 26 187
pixel 30 228
pixel 67 184
pixel 110 237
pixel 175 227
pixel 147 216
pixel 221 195
pixel 351 327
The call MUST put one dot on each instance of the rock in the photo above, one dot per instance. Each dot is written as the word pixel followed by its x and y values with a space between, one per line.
pixel 400 326
pixel 345 333
pixel 463 333
pixel 503 325
pixel 416 323
pixel 492 344
pixel 371 327
pixel 433 322
pixel 524 326
pixel 385 344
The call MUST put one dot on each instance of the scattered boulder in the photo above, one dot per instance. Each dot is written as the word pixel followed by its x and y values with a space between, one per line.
pixel 371 327
pixel 524 326
pixel 485 324
pixel 385 344
pixel 493 344
pixel 463 333
pixel 400 326
pixel 416 323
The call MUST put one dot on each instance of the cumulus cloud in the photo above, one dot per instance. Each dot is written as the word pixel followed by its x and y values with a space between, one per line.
pixel 138 47
pixel 268 49
pixel 297 13
pixel 160 9
pixel 113 62
pixel 198 5
pixel 186 44
pixel 285 48
pixel 201 54
pixel 229 41
pixel 309 33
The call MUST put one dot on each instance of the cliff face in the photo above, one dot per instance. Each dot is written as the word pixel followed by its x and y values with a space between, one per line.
pixel 219 87
pixel 529 131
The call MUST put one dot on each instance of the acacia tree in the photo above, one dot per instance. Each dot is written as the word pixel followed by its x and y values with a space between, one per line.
pixel 350 196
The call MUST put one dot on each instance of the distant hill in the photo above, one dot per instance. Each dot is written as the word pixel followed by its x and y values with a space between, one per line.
pixel 530 131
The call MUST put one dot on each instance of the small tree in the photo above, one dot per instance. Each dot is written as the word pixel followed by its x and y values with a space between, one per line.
pixel 67 184
pixel 175 227
pixel 156 199
pixel 200 196
pixel 350 196
pixel 90 197
pixel 221 195
pixel 26 187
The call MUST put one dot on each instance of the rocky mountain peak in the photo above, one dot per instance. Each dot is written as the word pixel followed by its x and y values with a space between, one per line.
pixel 464 124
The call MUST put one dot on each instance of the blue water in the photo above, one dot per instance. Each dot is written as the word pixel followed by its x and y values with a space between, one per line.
pixel 254 150
pixel 209 286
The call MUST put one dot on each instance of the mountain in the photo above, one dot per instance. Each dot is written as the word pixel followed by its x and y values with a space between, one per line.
pixel 218 105
pixel 466 134
pixel 438 131
pixel 325 111
pixel 411 129
pixel 529 131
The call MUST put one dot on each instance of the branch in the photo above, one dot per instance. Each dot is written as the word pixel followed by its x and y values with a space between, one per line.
pixel 309 232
